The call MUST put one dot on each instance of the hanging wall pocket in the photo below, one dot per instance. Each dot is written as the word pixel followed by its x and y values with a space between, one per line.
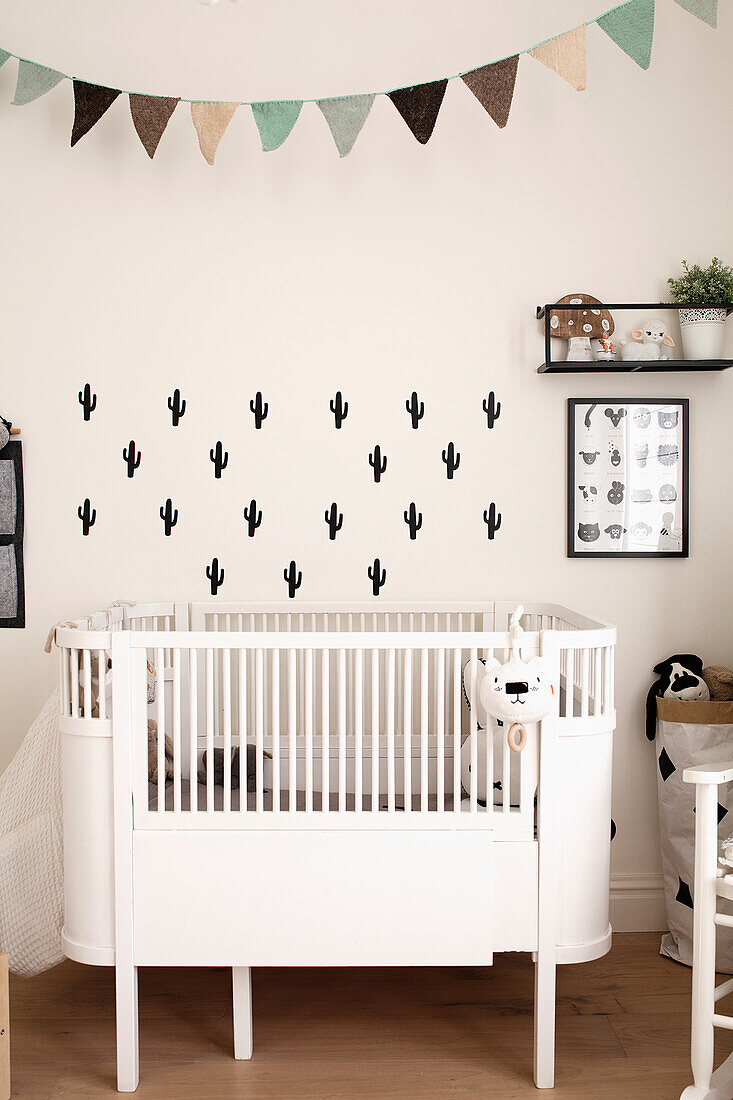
pixel 12 594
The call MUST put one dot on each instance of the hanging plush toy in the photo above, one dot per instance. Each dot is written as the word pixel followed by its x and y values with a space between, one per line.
pixel 512 694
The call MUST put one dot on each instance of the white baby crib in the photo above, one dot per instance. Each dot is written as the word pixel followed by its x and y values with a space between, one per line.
pixel 358 845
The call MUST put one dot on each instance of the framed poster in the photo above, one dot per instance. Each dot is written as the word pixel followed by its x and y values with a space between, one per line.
pixel 628 478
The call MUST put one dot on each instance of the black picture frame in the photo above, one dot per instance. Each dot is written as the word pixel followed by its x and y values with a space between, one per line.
pixel 611 431
pixel 14 452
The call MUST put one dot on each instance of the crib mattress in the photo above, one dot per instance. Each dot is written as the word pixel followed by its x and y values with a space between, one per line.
pixel 284 799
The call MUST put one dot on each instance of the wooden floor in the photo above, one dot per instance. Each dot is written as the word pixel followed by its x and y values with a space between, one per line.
pixel 623 1031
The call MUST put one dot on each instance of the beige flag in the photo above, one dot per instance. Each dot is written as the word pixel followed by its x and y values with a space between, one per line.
pixel 565 55
pixel 211 121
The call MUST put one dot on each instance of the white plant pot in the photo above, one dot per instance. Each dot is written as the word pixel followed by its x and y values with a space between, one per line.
pixel 703 332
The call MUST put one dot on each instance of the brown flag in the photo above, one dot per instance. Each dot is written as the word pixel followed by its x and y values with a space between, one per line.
pixel 493 86
pixel 150 116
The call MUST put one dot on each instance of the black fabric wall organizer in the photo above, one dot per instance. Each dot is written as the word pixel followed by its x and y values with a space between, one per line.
pixel 12 586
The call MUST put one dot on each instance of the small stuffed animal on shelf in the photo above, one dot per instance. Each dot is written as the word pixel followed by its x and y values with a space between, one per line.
pixel 680 677
pixel 720 682
pixel 580 326
pixel 653 339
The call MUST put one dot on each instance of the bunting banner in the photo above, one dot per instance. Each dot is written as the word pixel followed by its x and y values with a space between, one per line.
pixel 629 25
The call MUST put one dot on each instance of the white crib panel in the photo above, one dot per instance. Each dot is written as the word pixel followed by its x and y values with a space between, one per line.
pixel 330 902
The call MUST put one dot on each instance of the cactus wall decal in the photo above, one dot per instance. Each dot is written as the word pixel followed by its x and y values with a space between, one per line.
pixel 492 408
pixel 413 519
pixel 87 515
pixel 377 463
pixel 335 520
pixel 88 401
pixel 339 408
pixel 177 407
pixel 169 515
pixel 492 519
pixel 377 576
pixel 129 454
pixel 259 409
pixel 452 459
pixel 416 409
pixel 220 458
pixel 215 575
pixel 293 579
pixel 252 518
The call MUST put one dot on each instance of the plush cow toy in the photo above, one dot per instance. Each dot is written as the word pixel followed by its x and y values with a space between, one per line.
pixel 680 677
pixel 512 694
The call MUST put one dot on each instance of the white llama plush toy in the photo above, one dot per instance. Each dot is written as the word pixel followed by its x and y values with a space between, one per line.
pixel 653 339
pixel 509 695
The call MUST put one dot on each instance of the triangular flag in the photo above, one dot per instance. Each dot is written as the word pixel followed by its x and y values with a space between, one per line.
pixel 33 82
pixel 419 106
pixel 493 86
pixel 275 121
pixel 4 55
pixel 707 10
pixel 90 103
pixel 211 121
pixel 150 116
pixel 565 55
pixel 345 117
pixel 631 27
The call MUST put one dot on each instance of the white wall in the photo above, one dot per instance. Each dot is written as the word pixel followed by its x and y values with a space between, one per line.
pixel 400 267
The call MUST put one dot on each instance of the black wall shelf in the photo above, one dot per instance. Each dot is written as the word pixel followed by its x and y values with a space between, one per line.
pixel 628 366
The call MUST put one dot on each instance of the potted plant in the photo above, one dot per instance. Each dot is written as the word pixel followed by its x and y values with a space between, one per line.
pixel 708 292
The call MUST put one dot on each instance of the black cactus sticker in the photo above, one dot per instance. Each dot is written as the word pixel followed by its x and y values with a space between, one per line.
pixel 252 518
pixel 293 579
pixel 169 515
pixel 413 519
pixel 215 575
pixel 87 515
pixel 377 576
pixel 219 457
pixel 259 409
pixel 492 519
pixel 492 408
pixel 452 459
pixel 416 409
pixel 88 401
pixel 177 407
pixel 377 463
pixel 339 408
pixel 132 457
pixel 335 520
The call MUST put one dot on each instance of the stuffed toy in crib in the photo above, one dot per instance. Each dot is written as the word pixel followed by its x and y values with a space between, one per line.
pixel 509 694
pixel 219 767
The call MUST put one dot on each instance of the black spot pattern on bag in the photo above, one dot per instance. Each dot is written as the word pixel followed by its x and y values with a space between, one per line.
pixel 684 897
pixel 722 811
pixel 666 767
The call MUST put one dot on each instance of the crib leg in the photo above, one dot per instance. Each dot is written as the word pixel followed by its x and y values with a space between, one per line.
pixel 128 1053
pixel 242 1005
pixel 544 1019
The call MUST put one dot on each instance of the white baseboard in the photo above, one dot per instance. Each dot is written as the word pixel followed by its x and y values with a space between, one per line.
pixel 637 903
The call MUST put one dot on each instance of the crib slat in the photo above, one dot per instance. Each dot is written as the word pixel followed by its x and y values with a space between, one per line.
pixel 423 726
pixel 456 729
pixel 160 713
pixel 597 682
pixel 309 731
pixel 607 701
pixel 102 676
pixel 226 702
pixel 275 731
pixel 584 684
pixel 74 683
pixel 358 725
pixel 325 732
pixel 193 787
pixel 242 711
pixel 570 684
pixel 86 658
pixel 473 785
pixel 390 731
pixel 209 701
pixel 440 729
pixel 65 703
pixel 506 777
pixel 374 801
pixel 176 730
pixel 407 730
pixel 259 729
pixel 292 745
pixel 342 730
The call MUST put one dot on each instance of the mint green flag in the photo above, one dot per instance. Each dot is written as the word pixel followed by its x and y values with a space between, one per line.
pixel 345 117
pixel 707 10
pixel 4 55
pixel 631 27
pixel 275 121
pixel 33 82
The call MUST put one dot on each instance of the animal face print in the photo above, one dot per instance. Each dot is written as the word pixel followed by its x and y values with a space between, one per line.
pixel 668 492
pixel 616 417
pixel 589 532
pixel 589 492
pixel 615 455
pixel 667 418
pixel 642 496
pixel 668 454
pixel 641 530
pixel 615 531
pixel 589 457
pixel 642 418
pixel 616 493
pixel 641 451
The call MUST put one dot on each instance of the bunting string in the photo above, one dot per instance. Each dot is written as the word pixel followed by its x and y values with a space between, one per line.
pixel 630 25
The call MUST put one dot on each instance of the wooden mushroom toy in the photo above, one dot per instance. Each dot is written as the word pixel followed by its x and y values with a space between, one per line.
pixel 580 326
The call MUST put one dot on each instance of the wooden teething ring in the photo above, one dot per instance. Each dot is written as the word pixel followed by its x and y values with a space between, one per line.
pixel 514 744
